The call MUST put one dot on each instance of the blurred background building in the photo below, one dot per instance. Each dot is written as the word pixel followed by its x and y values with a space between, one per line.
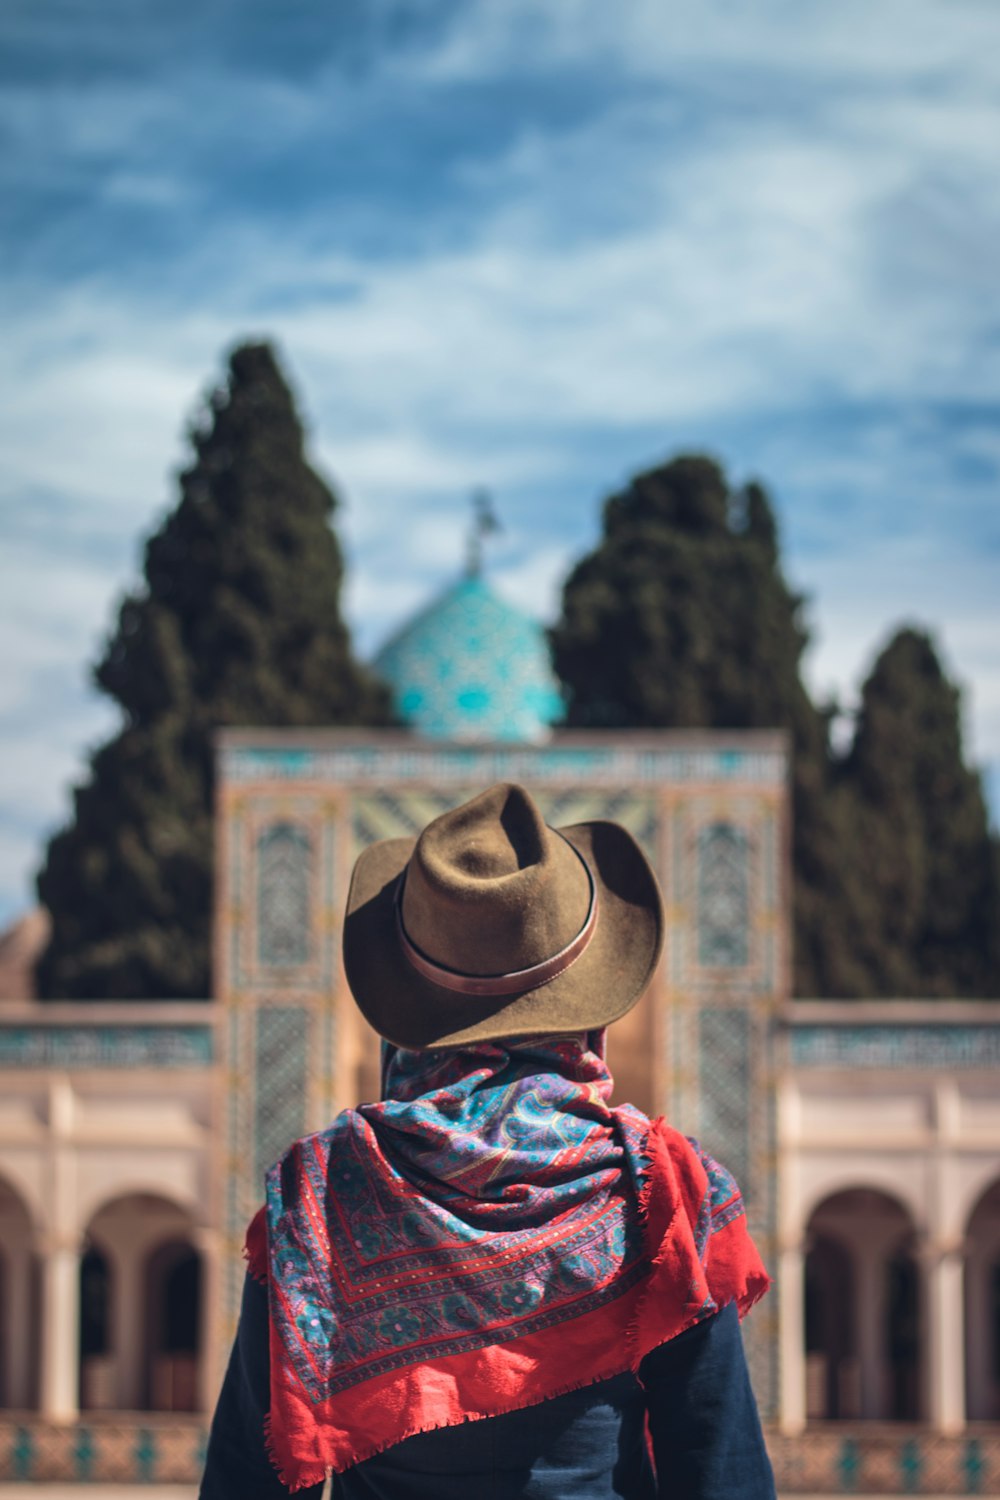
pixel 866 1134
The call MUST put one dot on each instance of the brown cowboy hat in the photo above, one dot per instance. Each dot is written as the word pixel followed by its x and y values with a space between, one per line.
pixel 492 924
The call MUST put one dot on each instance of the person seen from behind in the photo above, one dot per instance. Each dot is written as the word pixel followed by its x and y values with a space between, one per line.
pixel 491 1283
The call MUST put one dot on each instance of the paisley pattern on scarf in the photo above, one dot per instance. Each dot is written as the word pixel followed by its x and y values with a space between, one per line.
pixel 492 1200
pixel 491 1194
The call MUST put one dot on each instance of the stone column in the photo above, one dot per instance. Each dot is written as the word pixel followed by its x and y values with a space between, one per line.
pixel 207 1243
pixel 59 1379
pixel 945 1339
pixel 792 1338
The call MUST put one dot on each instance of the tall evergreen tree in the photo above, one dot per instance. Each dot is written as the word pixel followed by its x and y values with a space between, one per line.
pixel 928 907
pixel 238 623
pixel 681 618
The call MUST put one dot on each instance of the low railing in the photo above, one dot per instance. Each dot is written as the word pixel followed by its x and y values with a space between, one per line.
pixel 828 1459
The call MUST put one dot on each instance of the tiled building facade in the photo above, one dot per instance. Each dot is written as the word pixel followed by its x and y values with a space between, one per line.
pixel 134 1138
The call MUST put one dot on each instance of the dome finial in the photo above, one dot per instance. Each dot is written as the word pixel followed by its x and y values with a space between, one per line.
pixel 485 522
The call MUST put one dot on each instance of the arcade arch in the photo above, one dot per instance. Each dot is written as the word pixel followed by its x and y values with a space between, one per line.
pixel 18 1300
pixel 140 1332
pixel 982 1307
pixel 864 1347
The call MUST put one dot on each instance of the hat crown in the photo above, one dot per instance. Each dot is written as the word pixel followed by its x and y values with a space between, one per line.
pixel 491 889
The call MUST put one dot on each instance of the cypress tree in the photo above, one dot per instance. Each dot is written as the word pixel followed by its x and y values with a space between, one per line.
pixel 929 897
pixel 681 618
pixel 238 622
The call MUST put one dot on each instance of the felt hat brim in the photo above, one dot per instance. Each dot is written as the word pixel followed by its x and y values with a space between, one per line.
pixel 600 986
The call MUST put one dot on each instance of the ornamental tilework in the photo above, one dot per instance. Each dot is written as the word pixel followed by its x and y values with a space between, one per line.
pixel 901 1046
pixel 471 667
pixel 636 811
pixel 153 1046
pixel 760 1337
pixel 613 764
pixel 723 897
pixel 282 922
pixel 736 1122
pixel 282 1046
pixel 837 1459
pixel 104 1452
pixel 391 815
pixel 680 1038
pixel 402 814
pixel 827 1460
pixel 280 939
pixel 723 892
pixel 284 878
pixel 724 1054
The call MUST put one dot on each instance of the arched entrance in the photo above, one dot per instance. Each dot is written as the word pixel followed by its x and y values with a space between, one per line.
pixel 173 1297
pixel 863 1339
pixel 982 1308
pixel 831 1361
pixel 96 1360
pixel 140 1345
pixel 18 1302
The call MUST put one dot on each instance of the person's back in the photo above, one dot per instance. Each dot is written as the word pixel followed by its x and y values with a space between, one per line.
pixel 687 1427
pixel 492 1283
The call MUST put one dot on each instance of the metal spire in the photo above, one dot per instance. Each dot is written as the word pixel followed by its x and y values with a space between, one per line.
pixel 485 522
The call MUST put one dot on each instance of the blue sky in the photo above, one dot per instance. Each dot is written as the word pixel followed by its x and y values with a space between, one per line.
pixel 533 244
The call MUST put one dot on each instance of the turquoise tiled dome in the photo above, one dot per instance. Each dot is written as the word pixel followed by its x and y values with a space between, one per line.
pixel 471 667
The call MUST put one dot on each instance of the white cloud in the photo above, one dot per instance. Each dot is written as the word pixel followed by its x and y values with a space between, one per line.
pixel 535 581
pixel 895 40
pixel 52 608
pixel 766 213
pixel 861 595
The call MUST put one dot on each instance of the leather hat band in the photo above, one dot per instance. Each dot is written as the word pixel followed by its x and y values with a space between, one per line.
pixel 488 986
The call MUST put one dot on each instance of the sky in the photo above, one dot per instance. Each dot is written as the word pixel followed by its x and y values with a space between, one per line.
pixel 536 245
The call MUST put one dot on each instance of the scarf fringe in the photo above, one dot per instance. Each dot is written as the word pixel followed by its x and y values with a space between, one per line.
pixel 659 1186
pixel 362 1452
pixel 679 1291
pixel 652 1169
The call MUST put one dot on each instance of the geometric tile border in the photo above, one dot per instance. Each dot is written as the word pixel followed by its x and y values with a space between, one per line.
pixel 844 1459
pixel 146 1450
pixel 839 1459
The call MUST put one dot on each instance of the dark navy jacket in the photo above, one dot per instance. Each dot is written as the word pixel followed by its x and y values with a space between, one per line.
pixel 587 1445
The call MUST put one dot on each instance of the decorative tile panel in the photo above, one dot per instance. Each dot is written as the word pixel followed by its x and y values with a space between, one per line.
pixel 102 1452
pixel 282 922
pixel 832 1459
pixel 901 1046
pixel 404 813
pixel 723 892
pixel 399 814
pixel 723 897
pixel 636 811
pixel 277 954
pixel 726 1063
pixel 842 1459
pixel 615 763
pixel 153 1046
pixel 285 871
pixel 282 1045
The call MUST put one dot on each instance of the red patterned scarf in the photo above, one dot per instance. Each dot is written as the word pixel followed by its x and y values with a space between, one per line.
pixel 489 1234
